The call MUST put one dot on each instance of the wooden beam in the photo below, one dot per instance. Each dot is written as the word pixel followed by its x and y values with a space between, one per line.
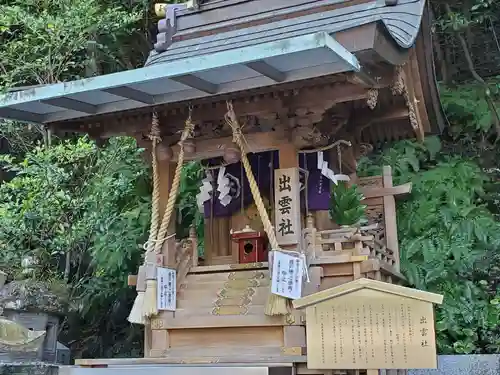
pixel 257 142
pixel 197 83
pixel 71 104
pixel 260 102
pixel 132 280
pixel 386 191
pixel 17 114
pixel 373 76
pixel 130 93
pixel 267 70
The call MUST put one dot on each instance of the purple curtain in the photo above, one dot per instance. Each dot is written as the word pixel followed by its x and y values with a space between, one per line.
pixel 318 187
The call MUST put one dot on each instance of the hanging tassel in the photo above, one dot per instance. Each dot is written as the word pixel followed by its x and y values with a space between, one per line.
pixel 150 304
pixel 136 316
pixel 276 305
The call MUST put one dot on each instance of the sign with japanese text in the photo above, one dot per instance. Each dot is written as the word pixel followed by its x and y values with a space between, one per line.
pixel 287 274
pixel 167 289
pixel 287 206
pixel 371 330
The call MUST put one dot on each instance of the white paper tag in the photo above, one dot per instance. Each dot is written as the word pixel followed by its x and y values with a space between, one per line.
pixel 287 275
pixel 320 160
pixel 166 292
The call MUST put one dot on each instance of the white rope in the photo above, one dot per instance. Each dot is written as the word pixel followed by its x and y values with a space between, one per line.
pixel 154 241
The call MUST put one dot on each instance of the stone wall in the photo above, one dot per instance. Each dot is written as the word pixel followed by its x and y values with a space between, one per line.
pixel 464 365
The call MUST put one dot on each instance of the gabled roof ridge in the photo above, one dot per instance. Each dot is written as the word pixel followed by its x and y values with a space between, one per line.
pixel 365 283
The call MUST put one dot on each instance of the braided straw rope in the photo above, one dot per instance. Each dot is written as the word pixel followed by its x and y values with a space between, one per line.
pixel 276 305
pixel 137 313
pixel 172 196
pixel 155 211
pixel 145 304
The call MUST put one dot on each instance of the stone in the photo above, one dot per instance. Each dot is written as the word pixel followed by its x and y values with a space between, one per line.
pixel 480 364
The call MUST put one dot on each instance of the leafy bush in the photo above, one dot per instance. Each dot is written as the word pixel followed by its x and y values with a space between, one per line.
pixel 466 106
pixel 449 242
pixel 82 213
pixel 58 40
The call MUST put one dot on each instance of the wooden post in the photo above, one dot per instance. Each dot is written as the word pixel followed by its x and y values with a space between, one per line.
pixel 166 170
pixel 391 228
pixel 194 245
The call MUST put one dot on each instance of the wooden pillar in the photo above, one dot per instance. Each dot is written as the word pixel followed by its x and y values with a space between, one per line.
pixel 166 171
pixel 160 338
pixel 194 245
pixel 288 156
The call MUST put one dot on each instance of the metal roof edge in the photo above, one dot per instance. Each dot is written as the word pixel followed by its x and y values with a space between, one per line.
pixel 166 70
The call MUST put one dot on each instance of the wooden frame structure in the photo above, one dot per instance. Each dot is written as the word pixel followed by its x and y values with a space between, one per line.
pixel 300 75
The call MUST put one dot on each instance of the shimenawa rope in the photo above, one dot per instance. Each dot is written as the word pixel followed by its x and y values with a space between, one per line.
pixel 145 304
pixel 276 305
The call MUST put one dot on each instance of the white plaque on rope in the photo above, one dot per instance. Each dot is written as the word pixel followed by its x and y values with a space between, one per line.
pixel 287 274
pixel 166 293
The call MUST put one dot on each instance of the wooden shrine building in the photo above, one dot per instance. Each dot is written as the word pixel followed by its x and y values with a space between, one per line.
pixel 260 92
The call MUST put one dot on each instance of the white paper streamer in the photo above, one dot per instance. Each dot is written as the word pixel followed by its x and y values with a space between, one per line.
pixel 327 172
pixel 205 193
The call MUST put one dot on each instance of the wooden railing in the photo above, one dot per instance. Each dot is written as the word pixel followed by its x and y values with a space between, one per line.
pixel 377 240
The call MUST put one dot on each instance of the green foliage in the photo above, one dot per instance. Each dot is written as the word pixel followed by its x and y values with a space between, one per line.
pixel 82 213
pixel 57 40
pixel 345 204
pixel 464 15
pixel 187 208
pixel 466 106
pixel 449 242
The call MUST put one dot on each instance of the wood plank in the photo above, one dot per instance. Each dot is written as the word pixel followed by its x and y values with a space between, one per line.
pixel 330 282
pixel 257 142
pixel 201 298
pixel 338 258
pixel 214 286
pixel 333 270
pixel 371 192
pixel 275 361
pixel 294 336
pixel 185 353
pixel 315 275
pixel 226 259
pixel 227 337
pixel 391 228
pixel 197 280
pixel 255 317
pixel 229 268
pixel 160 339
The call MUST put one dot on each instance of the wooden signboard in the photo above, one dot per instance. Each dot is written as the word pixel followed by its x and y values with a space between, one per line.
pixel 368 324
pixel 287 206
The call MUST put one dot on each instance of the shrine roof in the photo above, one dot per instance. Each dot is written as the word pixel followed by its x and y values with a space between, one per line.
pixel 218 25
pixel 211 73
pixel 363 283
